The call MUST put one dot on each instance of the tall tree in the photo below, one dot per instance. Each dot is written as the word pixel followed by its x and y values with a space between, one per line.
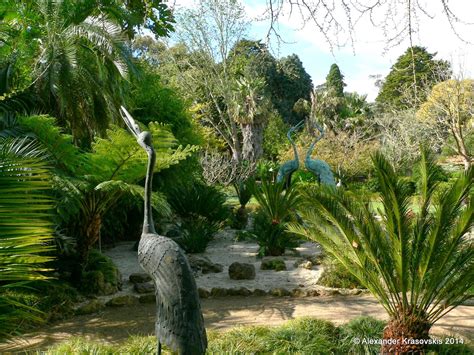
pixel 411 78
pixel 293 83
pixel 451 106
pixel 335 81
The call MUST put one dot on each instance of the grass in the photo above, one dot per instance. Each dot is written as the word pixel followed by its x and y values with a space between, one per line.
pixel 299 336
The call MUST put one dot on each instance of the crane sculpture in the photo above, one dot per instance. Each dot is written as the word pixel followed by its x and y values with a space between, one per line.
pixel 319 167
pixel 179 321
pixel 289 167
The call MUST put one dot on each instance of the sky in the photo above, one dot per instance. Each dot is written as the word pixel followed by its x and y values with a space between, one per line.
pixel 369 54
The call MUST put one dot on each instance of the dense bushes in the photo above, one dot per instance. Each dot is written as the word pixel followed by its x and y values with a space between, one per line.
pixel 100 275
pixel 336 275
pixel 202 212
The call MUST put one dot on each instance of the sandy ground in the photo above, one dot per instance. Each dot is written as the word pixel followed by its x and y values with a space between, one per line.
pixel 224 250
pixel 115 325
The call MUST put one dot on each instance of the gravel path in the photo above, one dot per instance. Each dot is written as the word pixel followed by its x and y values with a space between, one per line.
pixel 115 325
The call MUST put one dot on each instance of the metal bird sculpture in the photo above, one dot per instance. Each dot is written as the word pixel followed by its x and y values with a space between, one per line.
pixel 319 167
pixel 179 321
pixel 289 167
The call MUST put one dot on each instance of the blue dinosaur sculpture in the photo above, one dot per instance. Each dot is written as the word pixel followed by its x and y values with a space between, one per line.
pixel 319 167
pixel 289 167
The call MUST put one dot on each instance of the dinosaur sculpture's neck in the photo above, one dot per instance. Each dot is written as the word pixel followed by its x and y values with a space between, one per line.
pixel 148 225
pixel 310 149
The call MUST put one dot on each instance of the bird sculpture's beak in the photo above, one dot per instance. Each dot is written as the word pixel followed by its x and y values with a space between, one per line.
pixel 130 122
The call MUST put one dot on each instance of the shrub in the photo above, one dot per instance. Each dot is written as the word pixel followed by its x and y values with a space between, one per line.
pixel 336 275
pixel 244 194
pixel 203 213
pixel 100 275
pixel 276 209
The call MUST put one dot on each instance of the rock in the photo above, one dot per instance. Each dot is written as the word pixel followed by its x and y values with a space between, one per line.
pixel 312 293
pixel 203 293
pixel 277 264
pixel 298 292
pixel 350 292
pixel 315 259
pixel 241 271
pixel 120 301
pixel 145 287
pixel 218 292
pixel 329 292
pixel 150 298
pixel 139 278
pixel 203 264
pixel 259 292
pixel 239 291
pixel 93 306
pixel 279 292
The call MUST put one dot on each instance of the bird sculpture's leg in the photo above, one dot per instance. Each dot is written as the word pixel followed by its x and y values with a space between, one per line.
pixel 159 348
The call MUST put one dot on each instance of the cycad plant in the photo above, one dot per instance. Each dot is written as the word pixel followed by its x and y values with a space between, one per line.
pixel 244 194
pixel 25 226
pixel 276 209
pixel 418 262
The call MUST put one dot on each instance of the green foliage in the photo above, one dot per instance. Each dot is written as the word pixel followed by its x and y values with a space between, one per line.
pixel 361 328
pixel 336 275
pixel 420 254
pixel 244 194
pixel 25 227
pixel 335 81
pixel 274 137
pixel 202 210
pixel 98 272
pixel 275 210
pixel 412 76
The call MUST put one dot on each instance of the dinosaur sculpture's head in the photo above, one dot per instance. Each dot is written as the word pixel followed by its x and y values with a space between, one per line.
pixel 144 139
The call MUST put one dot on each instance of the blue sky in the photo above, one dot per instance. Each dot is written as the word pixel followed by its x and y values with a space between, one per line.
pixel 368 56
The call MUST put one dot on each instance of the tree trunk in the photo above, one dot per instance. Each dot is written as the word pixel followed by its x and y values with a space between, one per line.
pixel 461 146
pixel 89 237
pixel 405 334
pixel 252 148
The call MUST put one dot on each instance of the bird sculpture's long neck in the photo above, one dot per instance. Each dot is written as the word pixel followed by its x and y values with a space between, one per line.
pixel 310 149
pixel 148 225
pixel 295 151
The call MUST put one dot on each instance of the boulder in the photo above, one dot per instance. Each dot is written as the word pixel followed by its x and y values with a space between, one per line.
pixel 241 271
pixel 150 298
pixel 277 264
pixel 239 291
pixel 120 301
pixel 203 293
pixel 298 292
pixel 259 292
pixel 203 264
pixel 139 278
pixel 90 307
pixel 279 292
pixel 218 292
pixel 145 287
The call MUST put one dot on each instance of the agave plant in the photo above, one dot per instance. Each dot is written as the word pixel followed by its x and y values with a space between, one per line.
pixel 25 226
pixel 418 262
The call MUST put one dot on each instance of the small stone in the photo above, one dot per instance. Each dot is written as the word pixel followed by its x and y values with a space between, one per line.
pixel 259 292
pixel 203 264
pixel 139 278
pixel 312 293
pixel 315 259
pixel 93 306
pixel 120 301
pixel 218 292
pixel 306 265
pixel 298 292
pixel 279 292
pixel 241 271
pixel 239 291
pixel 203 293
pixel 145 287
pixel 350 292
pixel 277 264
pixel 329 292
pixel 151 298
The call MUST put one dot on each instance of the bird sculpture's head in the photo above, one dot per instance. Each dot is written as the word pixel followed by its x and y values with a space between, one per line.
pixel 294 128
pixel 143 138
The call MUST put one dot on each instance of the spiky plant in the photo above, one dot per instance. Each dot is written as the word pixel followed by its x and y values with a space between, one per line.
pixel 244 194
pixel 25 226
pixel 419 265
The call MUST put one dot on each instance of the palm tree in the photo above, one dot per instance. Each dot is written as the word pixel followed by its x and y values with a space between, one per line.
pixel 78 63
pixel 25 227
pixel 419 265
